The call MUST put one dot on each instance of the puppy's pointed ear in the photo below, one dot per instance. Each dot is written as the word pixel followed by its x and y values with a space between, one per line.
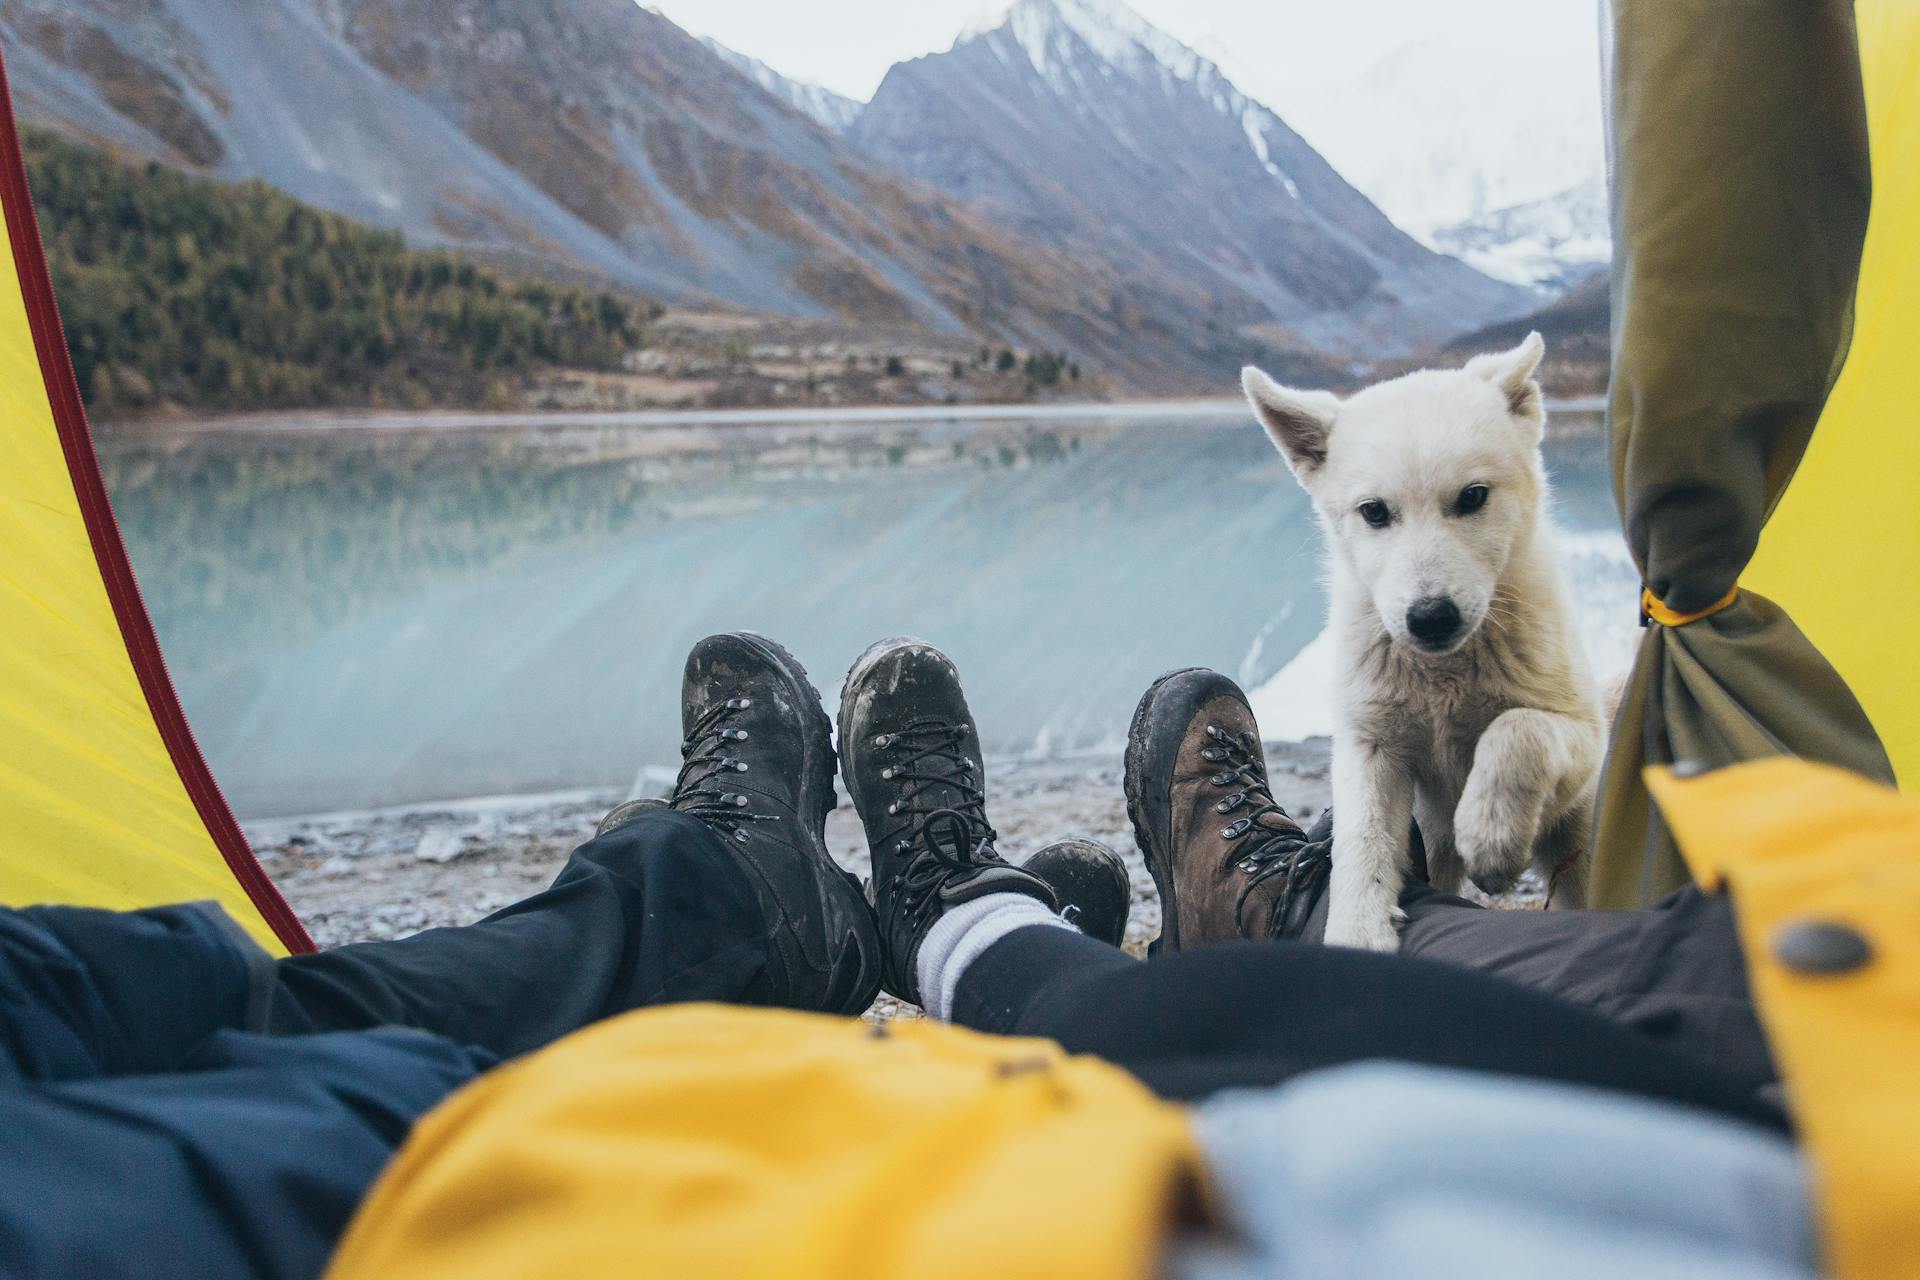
pixel 1300 422
pixel 1512 372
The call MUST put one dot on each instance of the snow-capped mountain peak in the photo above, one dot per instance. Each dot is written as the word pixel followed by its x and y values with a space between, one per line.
pixel 1058 37
pixel 1049 30
pixel 1083 125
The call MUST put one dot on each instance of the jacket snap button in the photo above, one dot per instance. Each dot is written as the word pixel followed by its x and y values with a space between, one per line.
pixel 1820 946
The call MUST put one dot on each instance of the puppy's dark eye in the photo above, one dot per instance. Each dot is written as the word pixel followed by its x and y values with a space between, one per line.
pixel 1471 499
pixel 1376 513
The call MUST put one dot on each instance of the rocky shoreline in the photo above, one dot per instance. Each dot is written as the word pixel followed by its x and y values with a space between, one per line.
pixel 389 873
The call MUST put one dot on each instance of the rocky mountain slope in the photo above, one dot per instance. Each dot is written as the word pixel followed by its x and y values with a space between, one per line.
pixel 595 139
pixel 1578 329
pixel 1086 128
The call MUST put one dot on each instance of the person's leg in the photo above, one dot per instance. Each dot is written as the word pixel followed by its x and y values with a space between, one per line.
pixel 87 993
pixel 654 912
pixel 1232 865
pixel 1255 1013
pixel 247 1161
pixel 724 893
pixel 1673 972
pixel 975 940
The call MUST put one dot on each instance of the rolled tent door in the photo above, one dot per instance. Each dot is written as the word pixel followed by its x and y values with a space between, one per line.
pixel 1740 190
pixel 105 800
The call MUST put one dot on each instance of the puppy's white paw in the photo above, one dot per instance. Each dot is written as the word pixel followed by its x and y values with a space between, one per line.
pixel 1366 926
pixel 1494 840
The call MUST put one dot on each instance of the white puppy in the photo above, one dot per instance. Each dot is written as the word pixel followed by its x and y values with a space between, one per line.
pixel 1464 700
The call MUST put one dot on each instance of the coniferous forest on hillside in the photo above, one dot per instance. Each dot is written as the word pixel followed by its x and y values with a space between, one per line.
pixel 178 290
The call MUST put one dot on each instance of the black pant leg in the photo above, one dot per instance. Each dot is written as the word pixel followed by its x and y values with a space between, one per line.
pixel 1673 972
pixel 655 912
pixel 1248 1014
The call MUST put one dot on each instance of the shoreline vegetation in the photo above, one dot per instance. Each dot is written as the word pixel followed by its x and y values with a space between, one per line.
pixel 184 296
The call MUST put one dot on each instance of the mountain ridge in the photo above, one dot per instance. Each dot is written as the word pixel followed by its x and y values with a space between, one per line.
pixel 1081 125
pixel 1495 167
pixel 598 140
pixel 828 109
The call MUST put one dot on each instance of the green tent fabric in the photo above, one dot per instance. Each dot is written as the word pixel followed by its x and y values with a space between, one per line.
pixel 1740 189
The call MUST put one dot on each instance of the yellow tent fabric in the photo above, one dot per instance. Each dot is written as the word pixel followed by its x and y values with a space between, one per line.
pixel 104 798
pixel 1842 551
pixel 1801 844
pixel 702 1140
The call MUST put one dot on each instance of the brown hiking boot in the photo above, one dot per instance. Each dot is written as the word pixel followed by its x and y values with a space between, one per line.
pixel 1228 861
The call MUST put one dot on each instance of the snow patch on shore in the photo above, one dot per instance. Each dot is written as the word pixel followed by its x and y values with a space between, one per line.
pixel 1297 702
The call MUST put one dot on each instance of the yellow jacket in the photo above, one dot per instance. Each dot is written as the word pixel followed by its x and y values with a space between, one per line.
pixel 706 1141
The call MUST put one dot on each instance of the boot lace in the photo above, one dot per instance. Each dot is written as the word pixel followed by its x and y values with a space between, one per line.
pixel 946 839
pixel 706 762
pixel 1268 851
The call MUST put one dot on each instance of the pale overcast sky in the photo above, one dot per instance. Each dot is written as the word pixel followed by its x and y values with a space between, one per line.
pixel 847 45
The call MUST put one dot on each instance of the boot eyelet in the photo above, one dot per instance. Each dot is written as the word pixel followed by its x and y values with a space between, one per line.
pixel 886 774
pixel 884 740
pixel 741 704
pixel 1214 754
pixel 1221 779
pixel 740 837
pixel 894 807
pixel 1248 867
pixel 1237 829
pixel 1213 731
pixel 1231 803
pixel 740 802
pixel 739 766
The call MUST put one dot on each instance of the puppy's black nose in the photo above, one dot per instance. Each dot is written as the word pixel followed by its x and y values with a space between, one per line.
pixel 1433 622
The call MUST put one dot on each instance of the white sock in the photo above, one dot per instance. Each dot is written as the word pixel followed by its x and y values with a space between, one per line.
pixel 963 935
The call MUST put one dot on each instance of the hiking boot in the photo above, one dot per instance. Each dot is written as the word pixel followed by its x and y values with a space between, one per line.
pixel 758 771
pixel 1091 884
pixel 1228 861
pixel 911 759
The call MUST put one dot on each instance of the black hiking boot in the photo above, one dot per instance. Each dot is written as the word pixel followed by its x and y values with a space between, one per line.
pixel 1091 884
pixel 1228 861
pixel 758 772
pixel 911 759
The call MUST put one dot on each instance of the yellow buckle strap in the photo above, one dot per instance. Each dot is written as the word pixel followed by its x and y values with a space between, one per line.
pixel 1654 611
